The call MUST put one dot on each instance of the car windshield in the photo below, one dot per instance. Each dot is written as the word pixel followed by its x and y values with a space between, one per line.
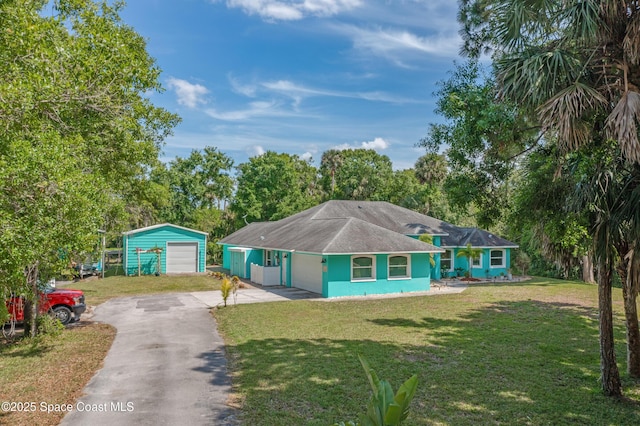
pixel 46 288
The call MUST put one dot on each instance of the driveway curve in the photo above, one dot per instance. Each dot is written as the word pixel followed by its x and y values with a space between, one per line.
pixel 166 366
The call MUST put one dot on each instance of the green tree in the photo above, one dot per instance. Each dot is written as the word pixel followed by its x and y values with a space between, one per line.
pixel 577 66
pixel 273 186
pixel 330 163
pixel 363 174
pixel 542 218
pixel 431 169
pixel 77 131
pixel 483 136
pixel 200 181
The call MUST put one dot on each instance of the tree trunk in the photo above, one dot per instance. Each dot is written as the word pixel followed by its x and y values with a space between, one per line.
pixel 627 269
pixel 587 269
pixel 610 375
pixel 630 293
pixel 633 334
pixel 31 305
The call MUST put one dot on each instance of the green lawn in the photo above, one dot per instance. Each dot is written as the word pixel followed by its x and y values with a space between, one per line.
pixel 100 290
pixel 496 354
pixel 54 371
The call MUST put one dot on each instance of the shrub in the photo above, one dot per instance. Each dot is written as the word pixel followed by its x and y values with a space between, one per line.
pixel 226 288
pixel 385 408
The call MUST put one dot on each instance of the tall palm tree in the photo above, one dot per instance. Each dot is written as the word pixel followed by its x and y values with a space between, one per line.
pixel 331 161
pixel 576 65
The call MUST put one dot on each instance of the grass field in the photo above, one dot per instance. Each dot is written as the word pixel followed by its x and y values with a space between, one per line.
pixel 518 353
pixel 56 369
pixel 97 291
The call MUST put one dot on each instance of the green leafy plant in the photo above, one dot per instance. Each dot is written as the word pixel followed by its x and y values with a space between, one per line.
pixel 470 253
pixel 385 408
pixel 226 288
pixel 426 238
pixel 50 325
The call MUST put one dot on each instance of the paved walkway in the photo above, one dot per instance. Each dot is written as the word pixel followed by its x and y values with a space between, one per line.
pixel 259 294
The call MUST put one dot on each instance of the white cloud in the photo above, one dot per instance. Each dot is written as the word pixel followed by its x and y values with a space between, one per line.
pixel 397 44
pixel 292 10
pixel 255 151
pixel 307 156
pixel 377 144
pixel 298 92
pixel 255 109
pixel 248 90
pixel 390 40
pixel 189 95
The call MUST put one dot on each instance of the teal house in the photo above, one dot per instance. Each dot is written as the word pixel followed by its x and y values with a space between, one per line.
pixel 349 248
pixel 164 249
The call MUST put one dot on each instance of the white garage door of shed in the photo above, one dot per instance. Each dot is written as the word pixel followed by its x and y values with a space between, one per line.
pixel 182 257
pixel 306 272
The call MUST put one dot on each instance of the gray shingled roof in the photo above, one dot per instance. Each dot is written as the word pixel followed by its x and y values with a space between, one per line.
pixel 345 227
pixel 477 238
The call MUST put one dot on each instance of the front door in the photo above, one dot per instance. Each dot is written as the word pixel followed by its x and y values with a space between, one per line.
pixel 283 269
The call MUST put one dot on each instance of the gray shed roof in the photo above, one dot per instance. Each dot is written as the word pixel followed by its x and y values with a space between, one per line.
pixel 344 227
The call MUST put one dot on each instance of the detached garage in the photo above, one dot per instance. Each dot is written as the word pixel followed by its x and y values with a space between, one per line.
pixel 164 249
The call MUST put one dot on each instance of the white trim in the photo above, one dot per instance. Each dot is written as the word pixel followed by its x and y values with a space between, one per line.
pixel 504 259
pixel 482 247
pixel 373 268
pixel 367 253
pixel 473 265
pixel 149 228
pixel 451 263
pixel 408 266
pixel 239 248
pixel 269 258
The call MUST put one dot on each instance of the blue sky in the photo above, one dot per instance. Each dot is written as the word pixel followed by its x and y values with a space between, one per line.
pixel 299 76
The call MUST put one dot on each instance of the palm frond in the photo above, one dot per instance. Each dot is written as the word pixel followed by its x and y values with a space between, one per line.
pixel 532 77
pixel 564 113
pixel 622 125
pixel 585 21
pixel 631 42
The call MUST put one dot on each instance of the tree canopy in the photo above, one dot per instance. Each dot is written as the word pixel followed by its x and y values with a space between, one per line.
pixel 77 128
pixel 575 66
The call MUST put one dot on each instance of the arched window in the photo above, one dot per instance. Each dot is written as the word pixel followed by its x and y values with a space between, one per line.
pixel 363 268
pixel 399 267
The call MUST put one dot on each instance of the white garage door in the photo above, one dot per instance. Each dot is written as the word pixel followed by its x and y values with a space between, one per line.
pixel 182 257
pixel 306 272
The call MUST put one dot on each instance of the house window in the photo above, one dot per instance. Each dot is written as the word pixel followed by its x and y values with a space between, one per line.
pixel 399 267
pixel 363 268
pixel 270 258
pixel 476 262
pixel 497 259
pixel 445 261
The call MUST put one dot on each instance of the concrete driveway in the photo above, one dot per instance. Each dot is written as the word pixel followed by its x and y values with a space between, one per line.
pixel 256 295
pixel 166 366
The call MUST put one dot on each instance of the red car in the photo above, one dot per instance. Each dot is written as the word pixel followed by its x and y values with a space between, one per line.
pixel 65 304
